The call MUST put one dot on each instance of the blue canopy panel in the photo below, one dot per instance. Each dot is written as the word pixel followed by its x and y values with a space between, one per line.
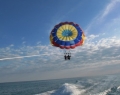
pixel 54 31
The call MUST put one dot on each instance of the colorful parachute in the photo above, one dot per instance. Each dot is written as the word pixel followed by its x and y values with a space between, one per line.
pixel 67 35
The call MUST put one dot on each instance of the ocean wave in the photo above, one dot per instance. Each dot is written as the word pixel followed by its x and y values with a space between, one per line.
pixel 112 91
pixel 118 88
pixel 66 89
pixel 87 87
pixel 46 93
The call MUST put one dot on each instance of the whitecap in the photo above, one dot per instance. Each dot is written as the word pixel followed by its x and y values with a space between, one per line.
pixel 66 89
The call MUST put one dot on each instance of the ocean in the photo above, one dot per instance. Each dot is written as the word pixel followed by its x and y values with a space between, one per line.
pixel 99 85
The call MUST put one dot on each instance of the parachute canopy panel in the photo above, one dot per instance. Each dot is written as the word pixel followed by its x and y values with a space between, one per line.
pixel 67 35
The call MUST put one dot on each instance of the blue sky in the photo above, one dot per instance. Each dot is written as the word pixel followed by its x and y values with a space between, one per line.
pixel 25 50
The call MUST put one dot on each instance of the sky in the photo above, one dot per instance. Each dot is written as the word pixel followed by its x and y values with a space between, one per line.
pixel 25 50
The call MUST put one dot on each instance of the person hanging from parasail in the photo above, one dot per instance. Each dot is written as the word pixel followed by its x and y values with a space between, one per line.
pixel 69 55
pixel 65 56
pixel 67 35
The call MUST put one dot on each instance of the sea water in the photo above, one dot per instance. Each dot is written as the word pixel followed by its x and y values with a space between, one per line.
pixel 99 85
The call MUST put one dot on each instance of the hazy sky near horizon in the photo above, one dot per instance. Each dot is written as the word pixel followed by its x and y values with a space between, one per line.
pixel 25 50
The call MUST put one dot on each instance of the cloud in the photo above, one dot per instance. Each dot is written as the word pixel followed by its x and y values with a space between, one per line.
pixel 19 57
pixel 109 8
pixel 23 42
pixel 47 58
pixel 38 43
pixel 93 56
pixel 99 23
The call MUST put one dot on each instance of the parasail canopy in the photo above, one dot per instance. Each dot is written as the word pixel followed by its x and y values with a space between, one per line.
pixel 67 35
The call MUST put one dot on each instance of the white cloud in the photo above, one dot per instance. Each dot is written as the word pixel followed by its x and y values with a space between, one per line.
pixel 98 24
pixel 38 43
pixel 109 8
pixel 91 56
pixel 11 45
pixel 23 42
